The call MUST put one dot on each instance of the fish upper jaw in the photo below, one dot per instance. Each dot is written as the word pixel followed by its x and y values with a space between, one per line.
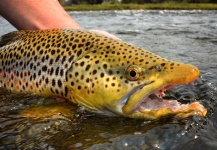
pixel 146 100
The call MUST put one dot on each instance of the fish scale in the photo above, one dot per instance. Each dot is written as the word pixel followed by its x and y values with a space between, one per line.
pixel 103 74
pixel 30 63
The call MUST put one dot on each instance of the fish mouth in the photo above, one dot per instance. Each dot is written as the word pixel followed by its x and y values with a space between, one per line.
pixel 152 105
pixel 155 101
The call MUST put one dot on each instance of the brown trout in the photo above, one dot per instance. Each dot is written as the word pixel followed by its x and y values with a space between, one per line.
pixel 102 74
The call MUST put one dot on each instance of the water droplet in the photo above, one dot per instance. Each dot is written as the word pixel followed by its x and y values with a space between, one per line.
pixel 156 145
pixel 137 133
pixel 126 144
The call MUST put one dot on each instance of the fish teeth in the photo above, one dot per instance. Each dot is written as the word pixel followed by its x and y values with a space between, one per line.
pixel 160 93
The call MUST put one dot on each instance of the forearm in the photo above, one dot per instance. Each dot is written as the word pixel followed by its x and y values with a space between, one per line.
pixel 36 14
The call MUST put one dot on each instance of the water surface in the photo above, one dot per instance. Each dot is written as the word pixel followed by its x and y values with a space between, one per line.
pixel 186 36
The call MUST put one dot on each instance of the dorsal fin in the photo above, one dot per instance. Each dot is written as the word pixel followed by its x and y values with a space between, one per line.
pixel 11 37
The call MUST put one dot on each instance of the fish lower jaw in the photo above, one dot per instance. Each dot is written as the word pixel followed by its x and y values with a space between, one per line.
pixel 153 106
pixel 172 107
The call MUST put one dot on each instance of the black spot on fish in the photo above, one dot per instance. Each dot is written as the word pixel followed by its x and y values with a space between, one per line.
pixel 57 71
pixel 82 77
pixel 57 58
pixel 87 67
pixel 31 65
pixel 76 40
pixel 51 61
pixel 74 46
pixel 43 59
pixel 105 66
pixel 59 83
pixel 80 45
pixel 71 58
pixel 113 84
pixel 47 46
pixel 51 89
pixel 53 52
pixel 102 75
pixel 51 71
pixel 87 56
pixel 44 68
pixel 87 44
pixel 64 59
pixel 110 72
pixel 46 81
pixel 47 57
pixel 76 74
pixel 34 76
pixel 79 53
pixel 66 91
pixel 39 72
pixel 37 84
pixel 57 92
pixel 97 61
pixel 61 72
pixel 82 64
pixel 38 48
pixel 94 72
pixel 64 46
pixel 28 55
pixel 53 82
pixel 41 52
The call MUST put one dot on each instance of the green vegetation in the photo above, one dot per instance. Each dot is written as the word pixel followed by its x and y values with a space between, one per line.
pixel 118 6
pixel 133 1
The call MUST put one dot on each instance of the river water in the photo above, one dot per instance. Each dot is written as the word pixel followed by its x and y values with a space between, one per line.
pixel 186 36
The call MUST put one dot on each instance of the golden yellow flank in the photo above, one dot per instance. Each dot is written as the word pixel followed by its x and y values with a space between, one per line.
pixel 102 74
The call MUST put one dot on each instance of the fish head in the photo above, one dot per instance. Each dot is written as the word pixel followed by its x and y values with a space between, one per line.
pixel 118 78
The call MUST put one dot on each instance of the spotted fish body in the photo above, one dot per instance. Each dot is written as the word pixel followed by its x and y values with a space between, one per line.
pixel 103 74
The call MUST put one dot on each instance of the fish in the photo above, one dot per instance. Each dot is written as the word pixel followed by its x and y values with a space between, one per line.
pixel 102 74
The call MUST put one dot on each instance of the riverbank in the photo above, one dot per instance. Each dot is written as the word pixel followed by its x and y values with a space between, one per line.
pixel 169 6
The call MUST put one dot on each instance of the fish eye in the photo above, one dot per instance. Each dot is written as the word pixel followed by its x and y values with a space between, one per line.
pixel 133 72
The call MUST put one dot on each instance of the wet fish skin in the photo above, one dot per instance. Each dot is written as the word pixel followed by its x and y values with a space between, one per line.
pixel 91 70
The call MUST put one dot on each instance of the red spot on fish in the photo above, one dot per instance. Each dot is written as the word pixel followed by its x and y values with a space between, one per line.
pixel 8 83
pixel 40 82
